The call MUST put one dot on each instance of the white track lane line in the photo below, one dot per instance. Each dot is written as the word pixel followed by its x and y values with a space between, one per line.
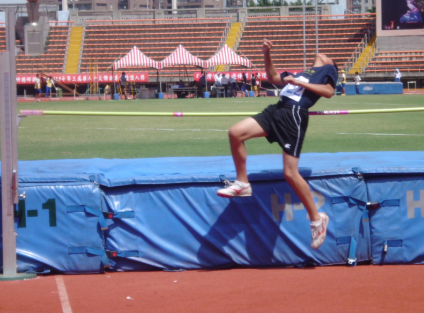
pixel 378 134
pixel 66 306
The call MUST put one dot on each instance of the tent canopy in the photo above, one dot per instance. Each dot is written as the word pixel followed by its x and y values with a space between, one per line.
pixel 136 58
pixel 181 56
pixel 227 56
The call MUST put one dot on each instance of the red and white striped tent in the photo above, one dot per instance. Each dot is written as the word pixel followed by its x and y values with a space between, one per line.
pixel 136 58
pixel 181 56
pixel 227 56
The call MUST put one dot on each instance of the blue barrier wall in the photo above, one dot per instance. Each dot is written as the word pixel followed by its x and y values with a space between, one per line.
pixel 375 88
pixel 82 216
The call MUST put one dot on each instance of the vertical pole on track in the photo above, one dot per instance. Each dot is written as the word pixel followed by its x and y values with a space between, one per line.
pixel 9 152
pixel 304 35
pixel 316 25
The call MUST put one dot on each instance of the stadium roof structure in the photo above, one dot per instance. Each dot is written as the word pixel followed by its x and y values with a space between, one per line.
pixel 181 56
pixel 136 58
pixel 227 56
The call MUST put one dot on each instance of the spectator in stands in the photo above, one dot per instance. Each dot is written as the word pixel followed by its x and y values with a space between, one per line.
pixel 258 84
pixel 234 87
pixel 253 83
pixel 224 83
pixel 123 84
pixel 357 79
pixel 343 83
pixel 286 123
pixel 37 87
pixel 243 84
pixel 49 85
pixel 397 75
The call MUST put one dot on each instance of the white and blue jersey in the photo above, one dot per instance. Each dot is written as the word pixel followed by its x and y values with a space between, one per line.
pixel 286 122
pixel 299 96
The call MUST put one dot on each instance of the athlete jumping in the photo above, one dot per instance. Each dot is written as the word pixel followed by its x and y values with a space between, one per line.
pixel 285 123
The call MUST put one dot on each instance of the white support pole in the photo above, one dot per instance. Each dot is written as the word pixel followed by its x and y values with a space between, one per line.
pixel 316 25
pixel 9 151
pixel 64 5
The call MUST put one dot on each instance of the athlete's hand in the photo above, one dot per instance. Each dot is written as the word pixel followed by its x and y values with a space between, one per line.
pixel 266 46
pixel 290 80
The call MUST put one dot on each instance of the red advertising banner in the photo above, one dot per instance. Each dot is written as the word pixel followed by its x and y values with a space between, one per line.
pixel 101 78
pixel 237 75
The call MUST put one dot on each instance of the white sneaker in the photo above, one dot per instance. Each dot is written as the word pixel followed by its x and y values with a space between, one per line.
pixel 234 190
pixel 319 232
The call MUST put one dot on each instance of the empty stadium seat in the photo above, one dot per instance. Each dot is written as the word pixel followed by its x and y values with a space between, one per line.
pixel 104 43
pixel 389 61
pixel 337 38
pixel 51 62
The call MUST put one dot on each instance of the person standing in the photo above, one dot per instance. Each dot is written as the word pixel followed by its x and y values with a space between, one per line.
pixel 123 84
pixel 253 83
pixel 203 83
pixel 357 79
pixel 243 84
pixel 234 87
pixel 343 83
pixel 224 83
pixel 49 85
pixel 37 87
pixel 286 123
pixel 397 75
pixel 258 84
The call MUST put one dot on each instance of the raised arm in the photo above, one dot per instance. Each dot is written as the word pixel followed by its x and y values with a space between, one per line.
pixel 271 72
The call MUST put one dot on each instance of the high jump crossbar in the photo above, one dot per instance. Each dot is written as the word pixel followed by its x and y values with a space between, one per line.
pixel 181 114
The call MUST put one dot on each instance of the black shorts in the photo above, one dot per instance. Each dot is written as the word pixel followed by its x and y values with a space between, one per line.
pixel 285 124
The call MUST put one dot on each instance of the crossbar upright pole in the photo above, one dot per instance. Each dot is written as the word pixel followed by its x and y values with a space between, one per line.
pixel 9 152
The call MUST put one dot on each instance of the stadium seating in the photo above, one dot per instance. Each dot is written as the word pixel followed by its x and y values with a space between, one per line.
pixel 52 60
pixel 2 38
pixel 338 39
pixel 109 42
pixel 389 61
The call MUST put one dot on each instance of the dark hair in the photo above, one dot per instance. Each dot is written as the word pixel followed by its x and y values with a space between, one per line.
pixel 335 65
pixel 356 73
pixel 123 73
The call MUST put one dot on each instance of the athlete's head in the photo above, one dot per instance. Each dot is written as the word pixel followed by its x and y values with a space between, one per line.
pixel 321 60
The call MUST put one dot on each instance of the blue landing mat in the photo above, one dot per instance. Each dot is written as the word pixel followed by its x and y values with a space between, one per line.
pixel 82 216
pixel 120 172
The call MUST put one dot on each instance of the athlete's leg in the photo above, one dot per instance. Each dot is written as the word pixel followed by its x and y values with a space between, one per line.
pixel 292 175
pixel 239 133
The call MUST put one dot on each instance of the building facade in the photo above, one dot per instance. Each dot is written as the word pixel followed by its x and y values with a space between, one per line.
pixel 102 5
pixel 360 6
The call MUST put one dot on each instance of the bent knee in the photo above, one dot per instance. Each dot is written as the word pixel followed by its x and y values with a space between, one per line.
pixel 291 174
pixel 235 133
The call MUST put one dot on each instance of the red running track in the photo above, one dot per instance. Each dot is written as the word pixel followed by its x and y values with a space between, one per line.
pixel 324 289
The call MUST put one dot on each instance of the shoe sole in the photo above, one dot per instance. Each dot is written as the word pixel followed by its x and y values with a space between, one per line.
pixel 325 221
pixel 230 196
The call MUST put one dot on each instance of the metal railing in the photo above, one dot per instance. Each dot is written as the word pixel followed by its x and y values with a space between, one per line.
pixel 387 70
pixel 367 58
pixel 81 49
pixel 355 55
pixel 238 37
pixel 66 50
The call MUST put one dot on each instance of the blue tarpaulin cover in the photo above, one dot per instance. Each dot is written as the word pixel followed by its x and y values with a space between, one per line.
pixel 163 213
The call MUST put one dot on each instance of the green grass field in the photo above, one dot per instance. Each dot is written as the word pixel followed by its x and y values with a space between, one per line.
pixel 82 137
